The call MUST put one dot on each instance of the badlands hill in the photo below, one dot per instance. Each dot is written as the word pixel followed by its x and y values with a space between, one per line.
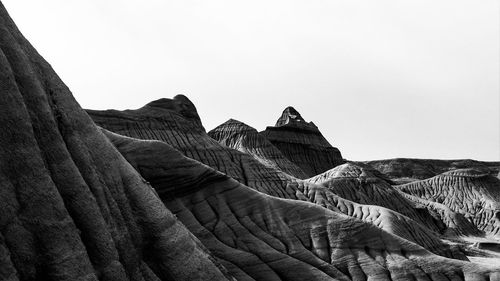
pixel 302 143
pixel 148 194
pixel 473 193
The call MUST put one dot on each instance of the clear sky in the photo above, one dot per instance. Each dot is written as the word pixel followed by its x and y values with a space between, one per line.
pixel 381 79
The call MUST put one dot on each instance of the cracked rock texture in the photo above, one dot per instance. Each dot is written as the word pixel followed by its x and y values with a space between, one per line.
pixel 302 143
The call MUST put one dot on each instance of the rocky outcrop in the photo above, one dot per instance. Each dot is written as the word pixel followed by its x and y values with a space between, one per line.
pixel 72 208
pixel 240 136
pixel 261 237
pixel 302 143
pixel 404 170
pixel 474 193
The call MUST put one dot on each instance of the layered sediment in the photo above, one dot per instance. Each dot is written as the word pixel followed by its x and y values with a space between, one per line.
pixel 302 143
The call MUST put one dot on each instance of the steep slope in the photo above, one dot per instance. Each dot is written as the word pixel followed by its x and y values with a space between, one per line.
pixel 71 207
pixel 474 193
pixel 406 170
pixel 260 237
pixel 302 143
pixel 240 136
pixel 166 124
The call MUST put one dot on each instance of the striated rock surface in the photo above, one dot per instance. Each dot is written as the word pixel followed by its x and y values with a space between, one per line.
pixel 474 193
pixel 72 208
pixel 240 136
pixel 261 237
pixel 184 132
pixel 359 184
pixel 168 126
pixel 362 184
pixel 302 143
pixel 404 170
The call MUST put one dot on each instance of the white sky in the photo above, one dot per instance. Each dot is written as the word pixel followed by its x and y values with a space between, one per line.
pixel 381 79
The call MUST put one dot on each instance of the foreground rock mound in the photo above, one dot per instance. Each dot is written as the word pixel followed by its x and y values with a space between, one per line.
pixel 473 193
pixel 302 143
pixel 71 207
pixel 261 237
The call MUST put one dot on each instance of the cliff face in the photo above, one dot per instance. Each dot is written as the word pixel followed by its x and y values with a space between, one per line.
pixel 72 208
pixel 302 143
pixel 239 136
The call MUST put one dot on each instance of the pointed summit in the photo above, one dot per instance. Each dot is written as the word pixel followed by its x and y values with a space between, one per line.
pixel 289 115
pixel 302 143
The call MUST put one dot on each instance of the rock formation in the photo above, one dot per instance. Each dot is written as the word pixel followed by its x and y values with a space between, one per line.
pixel 359 184
pixel 302 143
pixel 71 207
pixel 404 170
pixel 261 237
pixel 240 136
pixel 474 193
pixel 167 125
pixel 164 122
pixel 151 196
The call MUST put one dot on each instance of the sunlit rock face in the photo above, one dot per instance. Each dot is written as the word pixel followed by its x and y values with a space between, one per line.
pixel 360 184
pixel 302 143
pixel 474 193
pixel 71 207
